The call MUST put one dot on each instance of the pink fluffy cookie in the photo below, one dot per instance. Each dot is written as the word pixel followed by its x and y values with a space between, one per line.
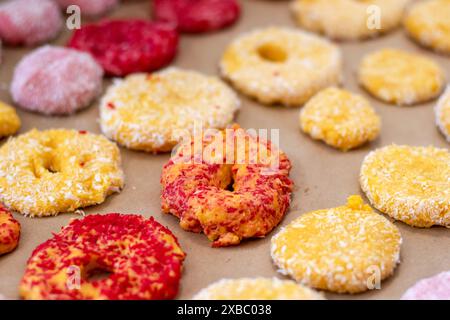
pixel 29 22
pixel 56 81
pixel 90 7
pixel 434 288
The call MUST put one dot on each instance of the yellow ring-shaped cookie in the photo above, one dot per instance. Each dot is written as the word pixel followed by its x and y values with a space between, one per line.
pixel 349 19
pixel 147 111
pixel 410 184
pixel 43 173
pixel 428 23
pixel 9 120
pixel 281 65
pixel 442 112
pixel 399 77
pixel 344 249
pixel 257 289
pixel 340 118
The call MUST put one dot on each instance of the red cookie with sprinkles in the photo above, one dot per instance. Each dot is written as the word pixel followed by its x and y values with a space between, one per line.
pixel 122 47
pixel 142 258
pixel 9 231
pixel 238 189
pixel 196 16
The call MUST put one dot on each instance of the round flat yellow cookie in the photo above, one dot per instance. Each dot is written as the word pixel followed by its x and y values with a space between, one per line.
pixel 43 173
pixel 257 289
pixel 279 65
pixel 410 184
pixel 442 111
pixel 340 118
pixel 9 120
pixel 149 111
pixel 428 23
pixel 347 249
pixel 349 19
pixel 400 77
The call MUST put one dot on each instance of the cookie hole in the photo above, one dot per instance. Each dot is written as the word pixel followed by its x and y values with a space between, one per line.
pixel 272 53
pixel 98 274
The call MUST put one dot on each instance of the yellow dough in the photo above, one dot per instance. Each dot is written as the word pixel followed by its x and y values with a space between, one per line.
pixel 442 111
pixel 9 120
pixel 257 289
pixel 148 111
pixel 340 118
pixel 341 249
pixel 43 173
pixel 400 77
pixel 428 22
pixel 410 184
pixel 278 65
pixel 349 19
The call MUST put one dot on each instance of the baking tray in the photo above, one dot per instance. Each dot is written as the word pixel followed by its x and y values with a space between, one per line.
pixel 324 177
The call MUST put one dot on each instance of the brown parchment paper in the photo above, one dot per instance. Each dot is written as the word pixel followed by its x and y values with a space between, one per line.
pixel 323 176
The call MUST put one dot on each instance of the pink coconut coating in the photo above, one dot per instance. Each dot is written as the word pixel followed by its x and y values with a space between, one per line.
pixel 29 22
pixel 90 7
pixel 56 80
pixel 434 288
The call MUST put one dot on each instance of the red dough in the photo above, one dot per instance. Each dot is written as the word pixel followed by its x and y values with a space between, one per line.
pixel 56 80
pixel 434 288
pixel 127 46
pixel 29 22
pixel 197 15
pixel 143 258
pixel 90 7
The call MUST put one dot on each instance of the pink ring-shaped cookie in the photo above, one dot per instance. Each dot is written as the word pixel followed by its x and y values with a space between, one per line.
pixel 434 288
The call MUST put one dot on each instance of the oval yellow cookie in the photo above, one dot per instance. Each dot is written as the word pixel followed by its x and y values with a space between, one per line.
pixel 257 289
pixel 341 249
pixel 281 65
pixel 442 111
pixel 428 22
pixel 43 173
pixel 340 118
pixel 349 19
pixel 148 111
pixel 410 184
pixel 400 77
pixel 9 120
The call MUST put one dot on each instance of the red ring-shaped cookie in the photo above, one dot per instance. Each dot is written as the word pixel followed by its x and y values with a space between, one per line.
pixel 143 258
pixel 197 16
pixel 122 47
pixel 226 194
pixel 9 231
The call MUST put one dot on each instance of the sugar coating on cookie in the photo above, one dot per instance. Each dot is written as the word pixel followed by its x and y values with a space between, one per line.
pixel 434 288
pixel 340 118
pixel 29 22
pixel 410 184
pixel 148 111
pixel 281 65
pixel 43 173
pixel 257 289
pixel 400 77
pixel 9 231
pixel 9 120
pixel 349 19
pixel 90 7
pixel 428 23
pixel 338 249
pixel 56 81
pixel 442 111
